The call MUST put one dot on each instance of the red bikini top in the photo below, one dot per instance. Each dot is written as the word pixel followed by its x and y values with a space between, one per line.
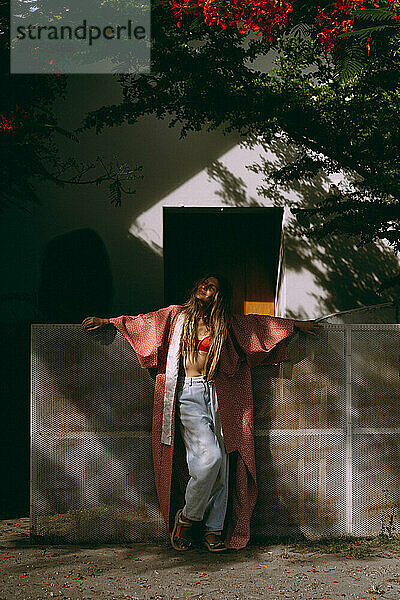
pixel 204 344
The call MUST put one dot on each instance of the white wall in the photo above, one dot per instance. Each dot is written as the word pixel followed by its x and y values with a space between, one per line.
pixel 205 169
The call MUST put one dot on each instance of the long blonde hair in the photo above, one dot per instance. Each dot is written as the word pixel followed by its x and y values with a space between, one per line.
pixel 217 317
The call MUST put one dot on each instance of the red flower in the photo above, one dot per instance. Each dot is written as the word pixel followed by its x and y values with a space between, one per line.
pixel 262 17
pixel 268 18
pixel 10 123
pixel 336 19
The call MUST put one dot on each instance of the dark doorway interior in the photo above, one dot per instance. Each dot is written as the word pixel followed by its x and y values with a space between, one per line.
pixel 241 243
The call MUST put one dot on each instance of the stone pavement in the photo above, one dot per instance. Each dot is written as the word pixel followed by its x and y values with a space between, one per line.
pixel 39 571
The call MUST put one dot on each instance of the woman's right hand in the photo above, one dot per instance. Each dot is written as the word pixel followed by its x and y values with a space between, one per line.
pixel 91 323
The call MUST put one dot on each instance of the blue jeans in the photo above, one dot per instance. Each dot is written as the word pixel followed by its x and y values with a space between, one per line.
pixel 206 494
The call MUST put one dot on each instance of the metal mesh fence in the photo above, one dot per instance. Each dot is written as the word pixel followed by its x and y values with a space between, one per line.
pixel 326 435
pixel 91 461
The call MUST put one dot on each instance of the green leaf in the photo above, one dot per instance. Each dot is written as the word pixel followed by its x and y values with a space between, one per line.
pixel 365 33
pixel 377 14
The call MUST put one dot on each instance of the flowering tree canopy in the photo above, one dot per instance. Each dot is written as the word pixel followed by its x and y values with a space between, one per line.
pixel 269 18
pixel 263 17
pixel 346 18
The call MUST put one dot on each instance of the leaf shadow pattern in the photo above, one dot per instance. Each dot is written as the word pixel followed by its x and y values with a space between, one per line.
pixel 233 189
pixel 345 273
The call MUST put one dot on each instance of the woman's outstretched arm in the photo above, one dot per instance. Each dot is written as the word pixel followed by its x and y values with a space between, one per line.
pixel 146 333
pixel 262 337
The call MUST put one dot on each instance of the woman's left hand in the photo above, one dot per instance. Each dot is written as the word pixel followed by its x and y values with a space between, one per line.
pixel 310 327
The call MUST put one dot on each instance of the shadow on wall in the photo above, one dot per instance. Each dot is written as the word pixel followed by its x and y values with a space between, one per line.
pixel 75 281
pixel 76 278
pixel 347 276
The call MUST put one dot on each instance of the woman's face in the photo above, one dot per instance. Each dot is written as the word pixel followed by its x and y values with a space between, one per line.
pixel 207 289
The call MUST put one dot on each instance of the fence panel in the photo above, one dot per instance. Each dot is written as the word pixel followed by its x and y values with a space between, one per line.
pixel 327 427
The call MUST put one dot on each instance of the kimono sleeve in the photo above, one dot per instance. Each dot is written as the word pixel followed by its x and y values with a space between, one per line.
pixel 261 338
pixel 145 333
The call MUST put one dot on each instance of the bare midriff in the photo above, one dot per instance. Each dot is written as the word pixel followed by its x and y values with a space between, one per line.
pixel 195 366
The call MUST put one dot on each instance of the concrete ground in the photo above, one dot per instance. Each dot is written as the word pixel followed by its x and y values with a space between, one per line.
pixel 36 571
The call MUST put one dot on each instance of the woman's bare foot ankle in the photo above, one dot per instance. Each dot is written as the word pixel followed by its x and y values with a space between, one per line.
pixel 213 536
pixel 213 541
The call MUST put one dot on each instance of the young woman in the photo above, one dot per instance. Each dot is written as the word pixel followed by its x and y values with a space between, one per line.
pixel 203 355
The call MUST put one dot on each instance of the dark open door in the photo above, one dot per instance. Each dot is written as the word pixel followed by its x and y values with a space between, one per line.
pixel 241 243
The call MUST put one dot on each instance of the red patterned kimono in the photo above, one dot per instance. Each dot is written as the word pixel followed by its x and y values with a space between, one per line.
pixel 253 340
